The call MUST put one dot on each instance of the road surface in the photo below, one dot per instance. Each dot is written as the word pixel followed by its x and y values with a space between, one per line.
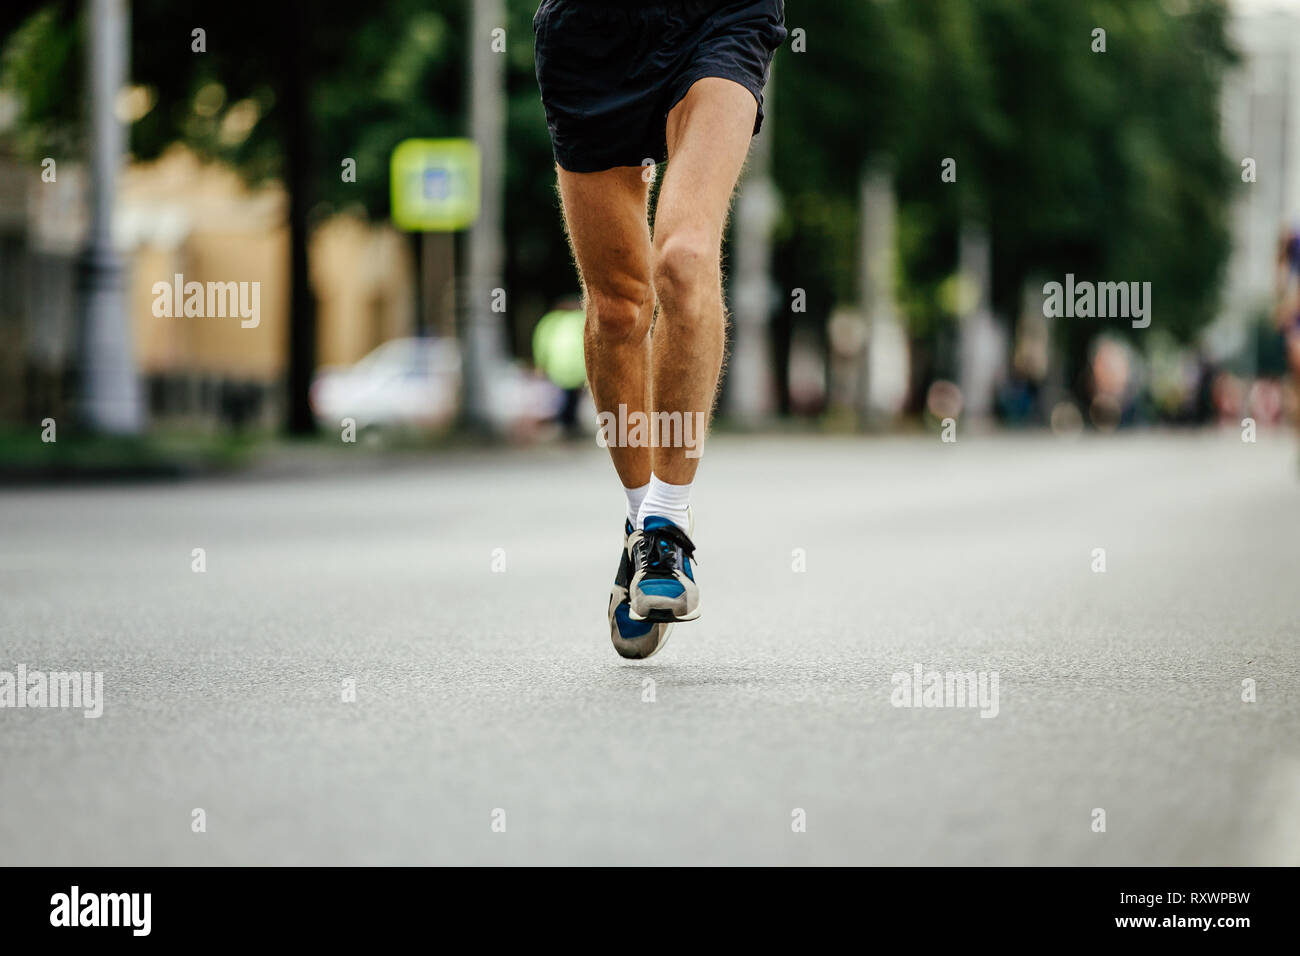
pixel 492 723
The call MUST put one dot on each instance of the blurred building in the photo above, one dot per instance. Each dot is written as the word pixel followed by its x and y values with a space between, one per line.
pixel 1261 122
pixel 181 216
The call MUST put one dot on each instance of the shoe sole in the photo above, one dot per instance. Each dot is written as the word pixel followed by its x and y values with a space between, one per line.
pixel 663 641
pixel 663 615
pixel 630 648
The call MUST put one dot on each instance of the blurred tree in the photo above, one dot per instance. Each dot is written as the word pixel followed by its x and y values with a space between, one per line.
pixel 285 90
pixel 1108 165
pixel 288 90
pixel 291 90
pixel 41 61
pixel 1116 169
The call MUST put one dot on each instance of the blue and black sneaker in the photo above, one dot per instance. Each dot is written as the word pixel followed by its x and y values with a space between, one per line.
pixel 663 585
pixel 636 640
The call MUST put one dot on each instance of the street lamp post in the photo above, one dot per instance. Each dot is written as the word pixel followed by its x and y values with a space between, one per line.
pixel 482 340
pixel 750 389
pixel 110 391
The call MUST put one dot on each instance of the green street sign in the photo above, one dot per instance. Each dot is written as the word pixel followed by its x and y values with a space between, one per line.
pixel 435 184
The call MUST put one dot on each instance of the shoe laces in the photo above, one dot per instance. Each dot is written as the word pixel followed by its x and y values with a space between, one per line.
pixel 659 548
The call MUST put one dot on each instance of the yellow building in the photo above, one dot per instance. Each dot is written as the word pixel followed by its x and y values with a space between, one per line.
pixel 180 216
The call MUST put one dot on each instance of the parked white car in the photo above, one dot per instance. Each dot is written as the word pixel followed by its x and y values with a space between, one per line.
pixel 411 383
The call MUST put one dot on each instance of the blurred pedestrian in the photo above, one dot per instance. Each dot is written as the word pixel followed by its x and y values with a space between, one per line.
pixel 557 352
pixel 1287 314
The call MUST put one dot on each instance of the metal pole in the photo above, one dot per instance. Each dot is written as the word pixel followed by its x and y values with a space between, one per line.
pixel 483 334
pixel 110 391
pixel 878 212
pixel 977 364
pixel 873 185
pixel 750 391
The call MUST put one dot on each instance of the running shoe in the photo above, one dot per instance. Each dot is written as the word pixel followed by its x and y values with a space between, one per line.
pixel 663 588
pixel 635 640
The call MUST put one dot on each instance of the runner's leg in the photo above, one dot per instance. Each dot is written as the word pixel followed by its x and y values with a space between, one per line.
pixel 605 214
pixel 708 138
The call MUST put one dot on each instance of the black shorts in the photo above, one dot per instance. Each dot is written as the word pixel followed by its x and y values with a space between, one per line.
pixel 610 70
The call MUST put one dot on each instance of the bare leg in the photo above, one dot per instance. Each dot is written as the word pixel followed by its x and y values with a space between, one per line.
pixel 605 214
pixel 708 138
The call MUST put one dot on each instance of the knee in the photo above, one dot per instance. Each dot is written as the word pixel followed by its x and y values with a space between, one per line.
pixel 685 272
pixel 620 312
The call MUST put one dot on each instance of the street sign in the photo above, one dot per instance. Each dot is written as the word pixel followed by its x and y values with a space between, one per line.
pixel 435 184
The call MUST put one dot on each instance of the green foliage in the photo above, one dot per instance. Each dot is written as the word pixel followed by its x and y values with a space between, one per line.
pixel 39 61
pixel 1107 165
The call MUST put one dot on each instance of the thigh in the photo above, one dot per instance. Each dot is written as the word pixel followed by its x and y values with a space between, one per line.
pixel 605 215
pixel 708 133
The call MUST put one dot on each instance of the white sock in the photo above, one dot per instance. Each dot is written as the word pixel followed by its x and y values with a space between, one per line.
pixel 634 498
pixel 666 501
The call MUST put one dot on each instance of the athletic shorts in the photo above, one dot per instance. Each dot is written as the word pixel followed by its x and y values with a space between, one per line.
pixel 610 70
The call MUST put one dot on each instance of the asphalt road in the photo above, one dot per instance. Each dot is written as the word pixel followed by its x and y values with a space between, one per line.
pixel 481 690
